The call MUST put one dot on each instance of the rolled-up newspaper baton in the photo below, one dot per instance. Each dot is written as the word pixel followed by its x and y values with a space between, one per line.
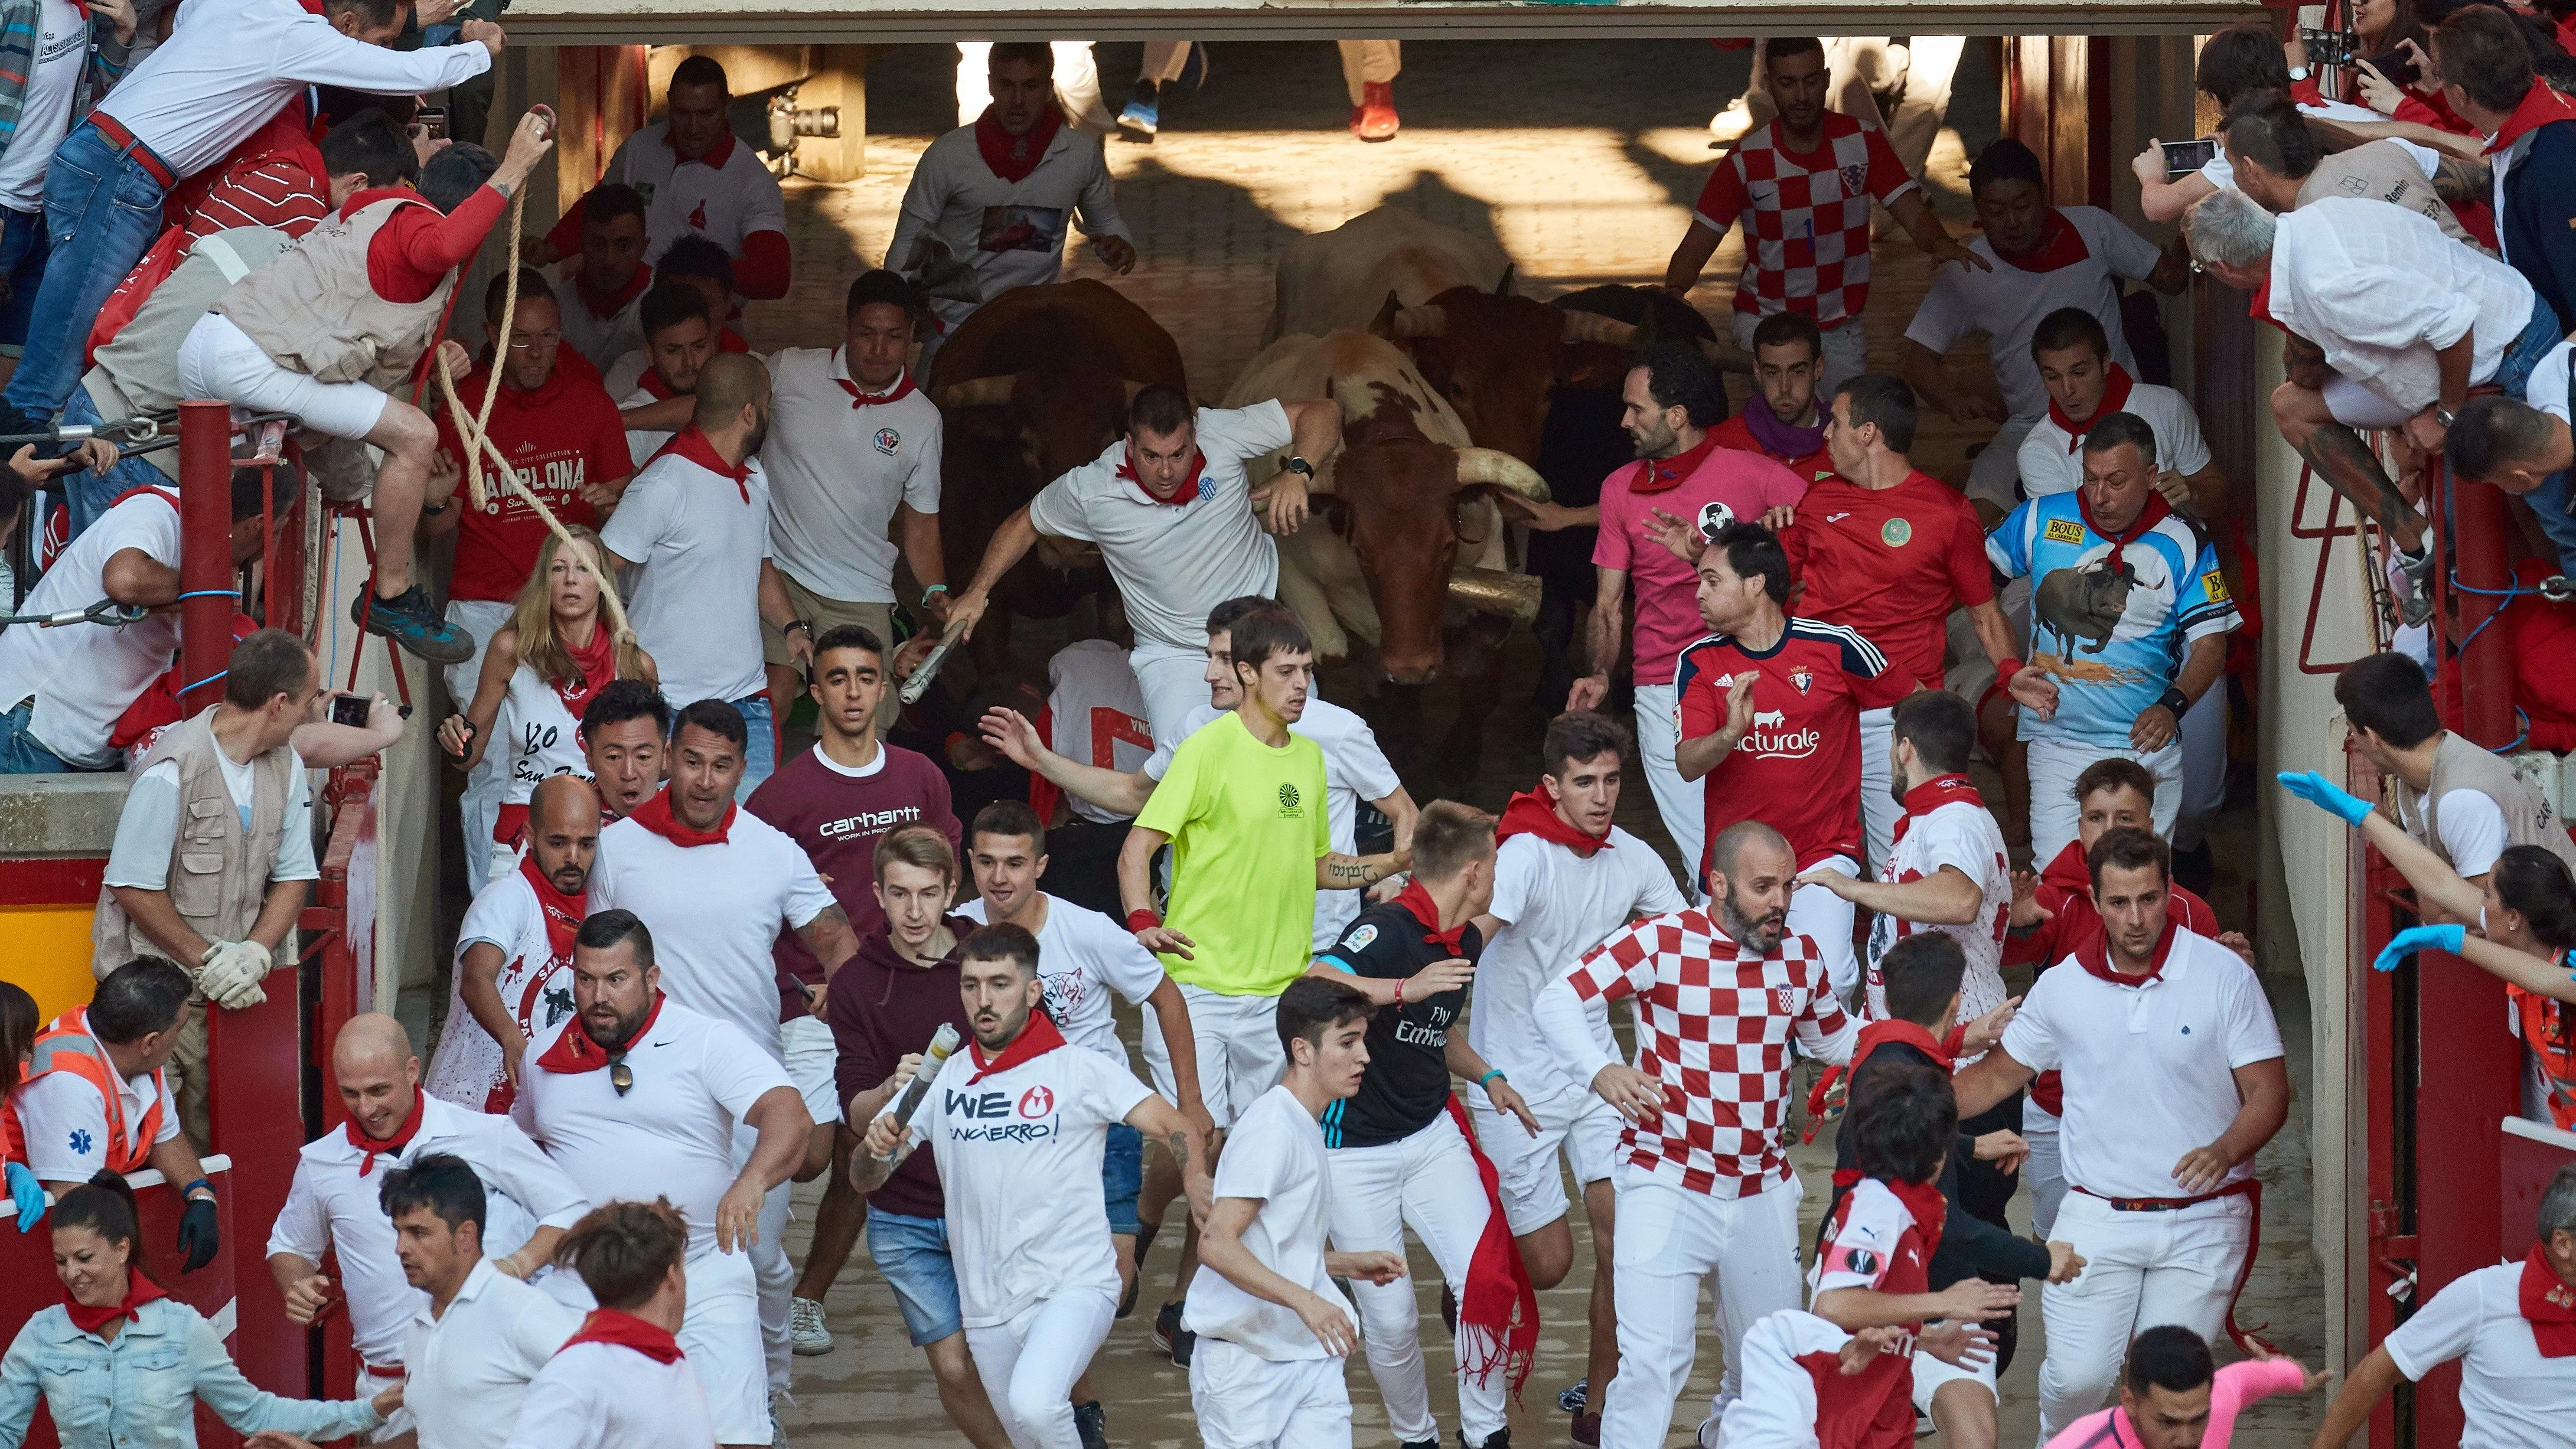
pixel 943 1043
pixel 919 684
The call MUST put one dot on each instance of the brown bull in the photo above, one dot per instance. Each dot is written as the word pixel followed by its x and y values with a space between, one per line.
pixel 1498 360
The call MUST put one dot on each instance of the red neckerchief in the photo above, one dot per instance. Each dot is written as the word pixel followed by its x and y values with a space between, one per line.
pixel 562 913
pixel 657 816
pixel 2095 957
pixel 2060 246
pixel 2156 511
pixel 1498 1311
pixel 609 306
pixel 391 1146
pixel 2548 1305
pixel 1414 899
pixel 594 668
pixel 1924 1201
pixel 139 1290
pixel 696 447
pixel 717 154
pixel 2260 306
pixel 729 340
pixel 312 7
pixel 652 383
pixel 1035 1040
pixel 1662 475
pixel 1529 813
pixel 574 1052
pixel 1934 793
pixel 1187 493
pixel 2115 398
pixel 2539 106
pixel 625 1330
pixel 1878 1033
pixel 902 387
pixel 1011 157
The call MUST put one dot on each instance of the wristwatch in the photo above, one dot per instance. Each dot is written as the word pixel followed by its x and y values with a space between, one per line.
pixel 2299 73
pixel 2174 701
pixel 792 625
pixel 1300 465
pixel 2444 416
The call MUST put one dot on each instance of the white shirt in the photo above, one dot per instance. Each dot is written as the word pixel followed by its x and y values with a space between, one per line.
pixel 534 984
pixel 2473 831
pixel 329 1205
pixel 64 1120
pixel 602 1396
pixel 1083 956
pixel 227 69
pixel 2220 172
pixel 671 1135
pixel 1965 838
pixel 641 444
pixel 467 1370
pixel 2008 303
pixel 2052 462
pixel 2511 1397
pixel 837 467
pixel 45 108
pixel 600 340
pixel 1554 906
pixel 84 675
pixel 149 825
pixel 2381 290
pixel 1019 1164
pixel 714 911
pixel 1174 563
pixel 700 537
pixel 1012 233
pixel 2548 387
pixel 724 199
pixel 1276 1157
pixel 2149 1070
pixel 1355 769
pixel 1098 714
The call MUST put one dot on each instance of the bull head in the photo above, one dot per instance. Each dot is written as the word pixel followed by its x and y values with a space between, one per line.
pixel 1411 509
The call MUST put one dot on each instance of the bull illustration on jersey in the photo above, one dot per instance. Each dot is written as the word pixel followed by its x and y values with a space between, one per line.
pixel 2085 603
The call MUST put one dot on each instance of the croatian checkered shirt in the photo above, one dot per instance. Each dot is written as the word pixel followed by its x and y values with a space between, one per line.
pixel 1806 240
pixel 1713 1026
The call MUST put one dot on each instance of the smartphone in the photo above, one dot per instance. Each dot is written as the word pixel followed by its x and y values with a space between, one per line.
pixel 433 121
pixel 350 710
pixel 2185 157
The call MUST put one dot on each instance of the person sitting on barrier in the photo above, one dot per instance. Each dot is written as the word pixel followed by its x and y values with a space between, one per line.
pixel 121 1363
pixel 96 1096
pixel 18 1025
pixel 62 689
pixel 214 854
pixel 348 312
pixel 2527 449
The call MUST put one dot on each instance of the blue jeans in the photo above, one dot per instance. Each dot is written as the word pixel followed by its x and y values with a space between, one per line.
pixel 912 1253
pixel 89 494
pixel 23 249
pixel 19 752
pixel 760 751
pixel 2550 502
pixel 2537 339
pixel 102 211
pixel 1122 1177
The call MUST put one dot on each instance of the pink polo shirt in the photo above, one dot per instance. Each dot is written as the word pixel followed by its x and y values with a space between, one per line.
pixel 1726 485
pixel 2238 1385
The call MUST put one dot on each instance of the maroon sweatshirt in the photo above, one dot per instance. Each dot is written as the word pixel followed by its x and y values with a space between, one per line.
pixel 839 817
pixel 883 1008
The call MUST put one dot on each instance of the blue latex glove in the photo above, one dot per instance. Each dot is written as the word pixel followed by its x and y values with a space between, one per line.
pixel 2416 938
pixel 2324 794
pixel 28 1194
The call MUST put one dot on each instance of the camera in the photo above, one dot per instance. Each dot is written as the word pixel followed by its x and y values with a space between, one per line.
pixel 2337 48
pixel 350 710
pixel 2182 158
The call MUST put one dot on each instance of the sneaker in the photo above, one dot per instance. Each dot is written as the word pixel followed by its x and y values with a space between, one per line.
pixel 1374 119
pixel 1431 1443
pixel 1173 1339
pixel 1923 1425
pixel 1706 1435
pixel 1587 1430
pixel 1499 1439
pixel 2417 605
pixel 408 620
pixel 805 1331
pixel 1572 1400
pixel 1092 1422
pixel 1141 119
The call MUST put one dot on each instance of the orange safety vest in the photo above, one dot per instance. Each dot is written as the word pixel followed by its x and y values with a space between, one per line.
pixel 65 1045
pixel 2551 1035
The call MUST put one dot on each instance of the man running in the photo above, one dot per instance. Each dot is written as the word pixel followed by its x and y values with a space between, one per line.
pixel 623 1382
pixel 513 948
pixel 1704 1182
pixel 625 733
pixel 1781 420
pixel 471 1349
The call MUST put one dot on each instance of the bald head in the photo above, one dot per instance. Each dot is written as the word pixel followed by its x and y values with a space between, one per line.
pixel 378 1076
pixel 1751 871
pixel 563 800
pixel 369 1040
pixel 563 831
pixel 729 383
pixel 1726 853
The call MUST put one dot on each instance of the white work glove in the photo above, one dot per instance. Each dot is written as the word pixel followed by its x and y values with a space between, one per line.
pixel 231 973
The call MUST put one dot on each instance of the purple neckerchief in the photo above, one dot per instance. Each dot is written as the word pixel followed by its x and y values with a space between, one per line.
pixel 1777 438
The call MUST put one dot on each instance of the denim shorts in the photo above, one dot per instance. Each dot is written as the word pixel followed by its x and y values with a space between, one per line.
pixel 912 1253
pixel 1122 1176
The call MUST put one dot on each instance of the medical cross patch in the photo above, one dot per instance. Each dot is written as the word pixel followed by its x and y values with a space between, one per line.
pixel 81 1142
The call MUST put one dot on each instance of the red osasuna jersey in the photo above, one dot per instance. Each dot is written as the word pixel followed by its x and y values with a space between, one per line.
pixel 1799 768
pixel 1891 563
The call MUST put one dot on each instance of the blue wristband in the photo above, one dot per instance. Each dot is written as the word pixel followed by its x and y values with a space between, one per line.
pixel 1487 1078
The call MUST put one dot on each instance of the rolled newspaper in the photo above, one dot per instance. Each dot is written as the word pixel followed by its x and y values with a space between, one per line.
pixel 919 684
pixel 943 1043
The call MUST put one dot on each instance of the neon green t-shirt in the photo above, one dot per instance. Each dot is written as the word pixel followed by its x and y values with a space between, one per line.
pixel 1247 826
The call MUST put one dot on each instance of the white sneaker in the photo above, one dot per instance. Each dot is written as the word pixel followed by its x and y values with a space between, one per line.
pixel 805 1331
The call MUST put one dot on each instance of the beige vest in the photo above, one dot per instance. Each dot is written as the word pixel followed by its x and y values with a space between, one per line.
pixel 218 872
pixel 2461 764
pixel 2384 171
pixel 314 311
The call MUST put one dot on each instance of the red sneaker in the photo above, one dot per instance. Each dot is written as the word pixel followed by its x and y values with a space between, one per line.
pixel 1373 119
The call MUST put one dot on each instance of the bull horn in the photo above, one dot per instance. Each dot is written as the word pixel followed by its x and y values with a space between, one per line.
pixel 1493 591
pixel 978 392
pixel 1502 470
pixel 1593 327
pixel 1726 357
pixel 1423 321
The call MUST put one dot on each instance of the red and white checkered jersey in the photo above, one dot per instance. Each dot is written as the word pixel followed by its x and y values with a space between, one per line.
pixel 1806 242
pixel 1713 1025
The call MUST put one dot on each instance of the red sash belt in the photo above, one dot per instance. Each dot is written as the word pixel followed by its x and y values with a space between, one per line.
pixel 126 145
pixel 2250 1189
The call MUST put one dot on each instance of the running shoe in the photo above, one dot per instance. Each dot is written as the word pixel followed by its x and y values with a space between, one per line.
pixel 1374 118
pixel 411 621
pixel 1092 1422
pixel 1499 1439
pixel 1173 1339
pixel 1142 118
pixel 805 1331
pixel 1573 1400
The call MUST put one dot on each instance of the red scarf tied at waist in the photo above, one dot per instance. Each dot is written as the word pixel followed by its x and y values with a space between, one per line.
pixel 1187 493
pixel 574 1052
pixel 1530 813
pixel 1498 1312
pixel 2115 398
pixel 1011 157
pixel 1934 793
pixel 1418 901
pixel 2156 511
pixel 391 1146
pixel 139 1290
pixel 563 913
pixel 2549 1305
pixel 657 816
pixel 1035 1040
pixel 625 1330
pixel 594 668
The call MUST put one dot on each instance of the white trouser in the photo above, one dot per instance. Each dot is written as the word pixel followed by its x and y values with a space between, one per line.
pixel 2356 406
pixel 484 784
pixel 1777 1408
pixel 1245 1401
pixel 773 1271
pixel 1995 471
pixel 2054 764
pixel 2045 1170
pixel 1931 1375
pixel 370 1384
pixel 1029 1364
pixel 2141 1269
pixel 2204 766
pixel 1174 682
pixel 1846 351
pixel 1681 804
pixel 1571 1121
pixel 1236 1041
pixel 1826 919
pixel 1369 62
pixel 1879 810
pixel 218 359
pixel 1429 1182
pixel 1163 61
pixel 1670 1241
pixel 1077 82
pixel 720 1333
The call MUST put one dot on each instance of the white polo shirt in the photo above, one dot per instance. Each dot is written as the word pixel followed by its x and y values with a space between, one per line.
pixel 1276 1157
pixel 2511 1397
pixel 64 1120
pixel 601 340
pixel 1011 233
pixel 2007 302
pixel 715 912
pixel 2381 290
pixel 467 1371
pixel 1355 769
pixel 1083 957
pixel 1554 906
pixel 671 1134
pixel 1098 715
pixel 329 1205
pixel 701 536
pixel 838 462
pixel 602 1396
pixel 725 197
pixel 641 443
pixel 2149 1069
pixel 1963 837
pixel 82 676
pixel 2052 460
pixel 1175 562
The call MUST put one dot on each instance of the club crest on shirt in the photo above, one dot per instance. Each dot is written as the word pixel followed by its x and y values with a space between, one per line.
pixel 1360 938
pixel 1896 533
pixel 1803 677
pixel 888 440
pixel 1037 1102
pixel 698 218
pixel 1713 516
pixel 1785 999
pixel 1853 177
pixel 1288 799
